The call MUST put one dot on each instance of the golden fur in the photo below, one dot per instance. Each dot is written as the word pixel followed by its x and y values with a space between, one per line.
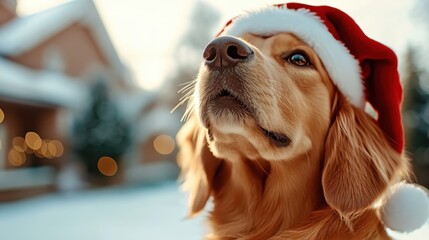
pixel 322 186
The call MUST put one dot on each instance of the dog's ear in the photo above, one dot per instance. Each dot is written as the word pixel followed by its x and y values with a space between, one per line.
pixel 359 162
pixel 198 165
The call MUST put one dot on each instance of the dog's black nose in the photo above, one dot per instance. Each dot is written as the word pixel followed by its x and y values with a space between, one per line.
pixel 225 52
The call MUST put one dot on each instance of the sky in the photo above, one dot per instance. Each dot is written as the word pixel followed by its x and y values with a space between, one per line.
pixel 132 25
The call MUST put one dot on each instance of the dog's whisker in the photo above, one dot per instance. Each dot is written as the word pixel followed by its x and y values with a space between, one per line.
pixel 182 101
pixel 188 91
pixel 189 110
pixel 187 114
pixel 186 96
pixel 188 82
pixel 188 85
pixel 186 88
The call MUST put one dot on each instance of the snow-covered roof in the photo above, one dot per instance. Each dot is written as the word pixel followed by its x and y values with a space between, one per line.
pixel 22 84
pixel 27 32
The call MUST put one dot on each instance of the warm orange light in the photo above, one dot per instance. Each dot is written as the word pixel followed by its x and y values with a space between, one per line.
pixel 18 143
pixel 52 149
pixel 29 151
pixel 33 140
pixel 164 144
pixel 44 150
pixel 38 154
pixel 16 158
pixel 107 166
pixel 1 115
pixel 58 146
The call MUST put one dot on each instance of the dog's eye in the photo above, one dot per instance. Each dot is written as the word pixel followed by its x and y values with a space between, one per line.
pixel 299 59
pixel 278 139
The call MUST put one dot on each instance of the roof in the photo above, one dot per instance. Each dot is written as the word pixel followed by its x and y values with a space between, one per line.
pixel 25 33
pixel 43 87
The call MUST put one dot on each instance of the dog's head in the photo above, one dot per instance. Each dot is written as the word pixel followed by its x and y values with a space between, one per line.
pixel 270 97
pixel 263 97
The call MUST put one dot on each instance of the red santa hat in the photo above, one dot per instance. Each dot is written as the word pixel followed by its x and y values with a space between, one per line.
pixel 364 70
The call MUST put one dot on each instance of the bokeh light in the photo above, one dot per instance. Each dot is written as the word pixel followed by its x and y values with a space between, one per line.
pixel 1 115
pixel 43 150
pixel 29 151
pixel 34 144
pixel 18 143
pixel 56 147
pixel 16 158
pixel 164 144
pixel 33 140
pixel 107 166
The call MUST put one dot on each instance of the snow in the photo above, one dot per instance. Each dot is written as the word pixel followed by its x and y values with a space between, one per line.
pixel 420 234
pixel 46 87
pixel 25 33
pixel 155 212
pixel 26 177
pixel 152 212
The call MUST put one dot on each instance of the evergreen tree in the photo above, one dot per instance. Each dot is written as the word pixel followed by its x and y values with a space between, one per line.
pixel 416 116
pixel 101 131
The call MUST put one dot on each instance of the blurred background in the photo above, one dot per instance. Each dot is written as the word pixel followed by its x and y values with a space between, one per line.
pixel 87 137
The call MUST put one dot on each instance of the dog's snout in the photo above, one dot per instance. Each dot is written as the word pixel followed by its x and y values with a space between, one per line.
pixel 226 51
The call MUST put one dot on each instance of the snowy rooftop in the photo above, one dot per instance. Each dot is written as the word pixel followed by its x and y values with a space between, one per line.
pixel 27 32
pixel 14 36
pixel 44 87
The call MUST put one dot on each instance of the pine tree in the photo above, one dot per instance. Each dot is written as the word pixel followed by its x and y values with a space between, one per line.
pixel 101 131
pixel 416 116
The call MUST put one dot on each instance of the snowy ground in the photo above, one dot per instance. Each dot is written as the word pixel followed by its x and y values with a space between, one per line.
pixel 151 212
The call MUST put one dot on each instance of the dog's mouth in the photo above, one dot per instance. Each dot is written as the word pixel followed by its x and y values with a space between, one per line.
pixel 227 101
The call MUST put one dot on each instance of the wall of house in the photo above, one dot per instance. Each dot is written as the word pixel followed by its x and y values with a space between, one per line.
pixel 74 47
pixel 20 119
pixel 5 14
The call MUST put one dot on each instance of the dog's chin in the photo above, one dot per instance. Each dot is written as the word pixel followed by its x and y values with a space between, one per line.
pixel 230 115
pixel 226 110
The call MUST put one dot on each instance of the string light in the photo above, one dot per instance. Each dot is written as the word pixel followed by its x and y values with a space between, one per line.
pixel 33 140
pixel 107 166
pixel 34 144
pixel 164 144
pixel 1 115
pixel 16 158
pixel 18 143
pixel 59 148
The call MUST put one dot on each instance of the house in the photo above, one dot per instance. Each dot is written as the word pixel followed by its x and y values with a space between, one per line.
pixel 47 61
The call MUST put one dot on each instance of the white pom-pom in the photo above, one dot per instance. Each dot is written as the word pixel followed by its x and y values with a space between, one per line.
pixel 406 208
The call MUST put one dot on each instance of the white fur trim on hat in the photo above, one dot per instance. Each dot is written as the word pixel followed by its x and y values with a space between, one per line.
pixel 406 208
pixel 341 66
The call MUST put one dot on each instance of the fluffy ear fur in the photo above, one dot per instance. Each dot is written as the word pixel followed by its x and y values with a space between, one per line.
pixel 359 162
pixel 197 163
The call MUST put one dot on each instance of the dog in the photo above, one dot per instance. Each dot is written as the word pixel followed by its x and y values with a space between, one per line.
pixel 280 149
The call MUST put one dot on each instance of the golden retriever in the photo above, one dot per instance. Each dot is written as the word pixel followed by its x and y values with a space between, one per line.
pixel 279 149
